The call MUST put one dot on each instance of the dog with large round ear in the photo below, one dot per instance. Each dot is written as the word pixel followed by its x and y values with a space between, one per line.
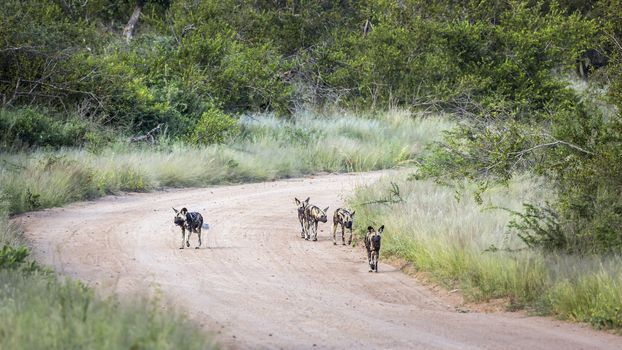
pixel 188 221
pixel 372 244
pixel 180 220
pixel 313 216
pixel 344 218
pixel 302 205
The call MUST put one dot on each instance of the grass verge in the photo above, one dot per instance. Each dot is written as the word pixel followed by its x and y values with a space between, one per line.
pixel 267 148
pixel 463 245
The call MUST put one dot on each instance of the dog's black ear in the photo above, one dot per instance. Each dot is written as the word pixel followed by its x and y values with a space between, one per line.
pixel 307 200
pixel 352 215
pixel 176 211
pixel 296 201
pixel 184 210
pixel 369 228
pixel 326 210
pixel 381 229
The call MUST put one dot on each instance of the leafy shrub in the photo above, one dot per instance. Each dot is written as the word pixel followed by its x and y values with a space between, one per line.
pixel 538 226
pixel 11 257
pixel 214 127
pixel 577 148
pixel 30 127
pixel 279 57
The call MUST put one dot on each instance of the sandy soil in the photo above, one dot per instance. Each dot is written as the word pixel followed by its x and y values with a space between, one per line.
pixel 257 284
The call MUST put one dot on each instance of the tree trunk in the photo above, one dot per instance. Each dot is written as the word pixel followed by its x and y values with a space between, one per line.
pixel 129 29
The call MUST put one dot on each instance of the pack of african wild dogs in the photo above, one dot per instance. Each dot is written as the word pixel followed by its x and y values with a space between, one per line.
pixel 309 216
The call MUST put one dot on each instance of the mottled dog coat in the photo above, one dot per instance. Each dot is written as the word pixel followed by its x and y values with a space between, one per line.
pixel 190 222
pixel 372 244
pixel 313 215
pixel 343 218
pixel 301 215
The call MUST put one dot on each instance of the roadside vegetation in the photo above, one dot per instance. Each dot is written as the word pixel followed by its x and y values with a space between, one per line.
pixel 263 148
pixel 471 246
pixel 100 96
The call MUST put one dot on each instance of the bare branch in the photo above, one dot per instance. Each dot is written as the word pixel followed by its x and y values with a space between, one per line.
pixel 129 29
pixel 612 36
pixel 17 48
pixel 148 137
pixel 552 144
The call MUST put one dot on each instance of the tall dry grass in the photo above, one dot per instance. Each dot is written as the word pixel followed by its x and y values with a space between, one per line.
pixel 464 245
pixel 267 148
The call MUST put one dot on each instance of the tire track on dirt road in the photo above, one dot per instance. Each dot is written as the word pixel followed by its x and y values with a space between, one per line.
pixel 257 284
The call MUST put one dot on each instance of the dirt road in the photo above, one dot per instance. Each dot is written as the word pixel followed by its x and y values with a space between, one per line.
pixel 258 285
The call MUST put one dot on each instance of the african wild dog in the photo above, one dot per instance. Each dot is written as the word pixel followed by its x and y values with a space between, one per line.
pixel 372 243
pixel 301 214
pixel 313 215
pixel 188 221
pixel 344 218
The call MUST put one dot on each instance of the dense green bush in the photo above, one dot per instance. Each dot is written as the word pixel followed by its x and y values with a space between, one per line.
pixel 214 127
pixel 264 56
pixel 532 122
pixel 11 257
pixel 30 128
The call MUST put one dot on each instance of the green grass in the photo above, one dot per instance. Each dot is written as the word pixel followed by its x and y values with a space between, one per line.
pixel 41 312
pixel 465 245
pixel 267 148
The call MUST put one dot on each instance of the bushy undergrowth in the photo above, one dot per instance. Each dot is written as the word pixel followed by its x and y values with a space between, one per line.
pixel 576 147
pixel 39 310
pixel 465 245
pixel 266 148
pixel 31 127
pixel 259 56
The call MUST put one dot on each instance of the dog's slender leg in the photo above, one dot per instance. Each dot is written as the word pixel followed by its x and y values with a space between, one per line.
pixel 188 237
pixel 343 232
pixel 307 228
pixel 334 233
pixel 199 233
pixel 315 232
pixel 373 261
pixel 302 227
pixel 183 237
pixel 350 238
pixel 304 230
